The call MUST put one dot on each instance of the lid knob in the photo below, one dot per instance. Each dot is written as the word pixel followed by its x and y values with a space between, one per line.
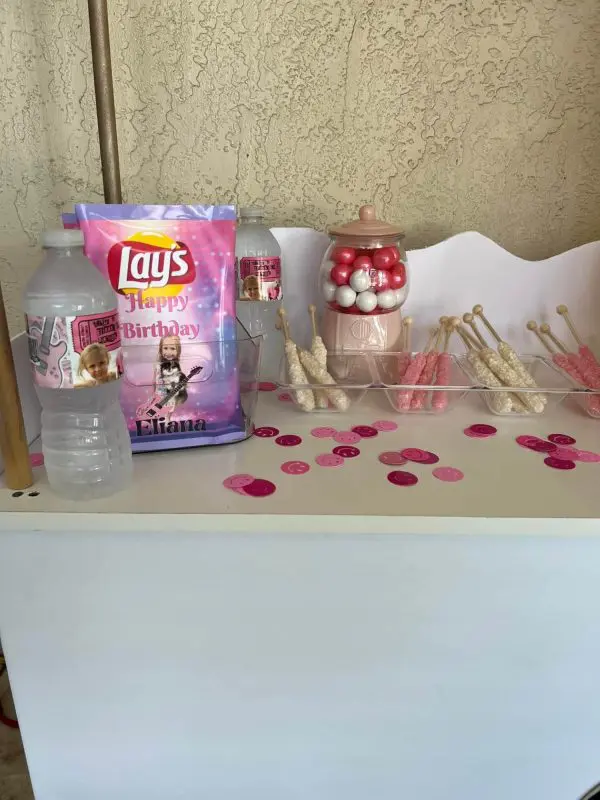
pixel 366 213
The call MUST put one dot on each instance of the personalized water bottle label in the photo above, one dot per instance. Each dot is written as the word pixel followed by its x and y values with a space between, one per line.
pixel 75 352
pixel 259 279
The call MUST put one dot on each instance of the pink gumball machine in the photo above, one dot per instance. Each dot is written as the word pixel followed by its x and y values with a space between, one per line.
pixel 364 282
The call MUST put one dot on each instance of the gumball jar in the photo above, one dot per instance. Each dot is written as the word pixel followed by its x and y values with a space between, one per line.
pixel 364 283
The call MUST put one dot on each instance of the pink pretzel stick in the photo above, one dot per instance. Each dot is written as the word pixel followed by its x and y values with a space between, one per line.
pixel 439 401
pixel 411 377
pixel 403 363
pixel 425 379
pixel 588 357
pixel 569 365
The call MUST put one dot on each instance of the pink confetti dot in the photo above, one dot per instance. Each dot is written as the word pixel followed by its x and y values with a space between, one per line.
pixel 238 481
pixel 266 432
pixel 431 458
pixel 587 456
pixel 288 440
pixel 392 458
pixel 527 441
pixel 414 454
pixel 483 430
pixel 36 459
pixel 365 431
pixel 260 488
pixel 346 451
pixel 542 447
pixel 565 454
pixel 329 460
pixel 400 478
pixel 346 437
pixel 557 463
pixel 295 467
pixel 267 386
pixel 561 438
pixel 323 433
pixel 285 397
pixel 385 425
pixel 448 474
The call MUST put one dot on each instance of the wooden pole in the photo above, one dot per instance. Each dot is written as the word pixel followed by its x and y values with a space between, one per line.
pixel 13 441
pixel 105 100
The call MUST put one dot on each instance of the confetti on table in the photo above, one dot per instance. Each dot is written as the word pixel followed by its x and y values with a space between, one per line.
pixel 295 467
pixel 36 459
pixel 385 425
pixel 400 478
pixel 238 481
pixel 565 454
pixel 266 432
pixel 288 440
pixel 260 488
pixel 285 397
pixel 392 458
pixel 346 451
pixel 365 431
pixel 418 455
pixel 448 474
pixel 431 458
pixel 480 431
pixel 587 456
pixel 561 438
pixel 267 386
pixel 323 433
pixel 346 437
pixel 329 460
pixel 557 463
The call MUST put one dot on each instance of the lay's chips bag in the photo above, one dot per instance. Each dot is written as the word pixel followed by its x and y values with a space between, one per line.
pixel 173 268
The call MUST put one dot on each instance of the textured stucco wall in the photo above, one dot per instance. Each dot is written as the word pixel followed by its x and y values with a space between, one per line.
pixel 448 114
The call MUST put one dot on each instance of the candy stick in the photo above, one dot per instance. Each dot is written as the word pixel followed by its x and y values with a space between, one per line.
pixel 426 376
pixel 338 397
pixel 319 351
pixel 407 334
pixel 545 329
pixel 504 371
pixel 501 402
pixel 590 375
pixel 584 351
pixel 304 397
pixel 510 355
pixel 411 376
pixel 439 400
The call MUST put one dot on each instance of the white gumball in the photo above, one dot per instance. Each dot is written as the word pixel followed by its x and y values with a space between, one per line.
pixel 366 301
pixel 386 299
pixel 360 280
pixel 345 296
pixel 328 266
pixel 329 291
pixel 401 296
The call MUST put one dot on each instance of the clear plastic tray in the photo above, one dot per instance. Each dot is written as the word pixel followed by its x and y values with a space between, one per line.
pixel 352 372
pixel 418 399
pixel 552 386
pixel 587 399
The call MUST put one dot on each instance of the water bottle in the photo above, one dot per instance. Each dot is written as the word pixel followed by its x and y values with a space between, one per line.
pixel 258 261
pixel 75 352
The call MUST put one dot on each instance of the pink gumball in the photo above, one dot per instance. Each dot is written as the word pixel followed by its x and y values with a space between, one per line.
pixel 343 255
pixel 380 280
pixel 386 257
pixel 340 274
pixel 363 262
pixel 397 277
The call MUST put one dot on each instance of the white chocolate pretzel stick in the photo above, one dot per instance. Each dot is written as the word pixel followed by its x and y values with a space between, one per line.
pixel 304 397
pixel 501 402
pixel 510 355
pixel 337 396
pixel 319 351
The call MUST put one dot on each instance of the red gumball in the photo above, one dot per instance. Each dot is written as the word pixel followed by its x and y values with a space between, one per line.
pixel 362 262
pixel 380 280
pixel 343 255
pixel 397 276
pixel 386 257
pixel 340 274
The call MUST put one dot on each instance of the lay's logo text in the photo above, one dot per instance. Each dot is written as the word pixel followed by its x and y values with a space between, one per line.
pixel 136 264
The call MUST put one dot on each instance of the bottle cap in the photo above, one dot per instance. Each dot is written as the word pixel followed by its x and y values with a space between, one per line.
pixel 70 237
pixel 366 225
pixel 251 211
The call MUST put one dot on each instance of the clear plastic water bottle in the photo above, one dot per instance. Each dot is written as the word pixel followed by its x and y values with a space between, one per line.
pixel 75 353
pixel 258 260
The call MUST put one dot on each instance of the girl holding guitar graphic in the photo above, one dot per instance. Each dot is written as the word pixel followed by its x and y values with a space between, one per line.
pixel 168 375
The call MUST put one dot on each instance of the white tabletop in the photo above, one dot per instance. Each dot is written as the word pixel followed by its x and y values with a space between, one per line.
pixel 183 489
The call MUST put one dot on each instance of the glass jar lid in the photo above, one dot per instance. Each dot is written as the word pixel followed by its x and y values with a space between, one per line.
pixel 366 225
